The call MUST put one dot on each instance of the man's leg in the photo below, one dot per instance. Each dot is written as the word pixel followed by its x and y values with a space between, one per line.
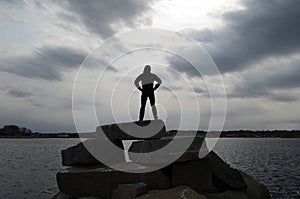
pixel 143 106
pixel 152 102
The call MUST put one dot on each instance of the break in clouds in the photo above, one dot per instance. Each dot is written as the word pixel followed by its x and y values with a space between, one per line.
pixel 256 49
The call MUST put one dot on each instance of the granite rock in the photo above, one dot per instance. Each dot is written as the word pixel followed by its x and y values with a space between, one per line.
pixel 129 191
pixel 182 192
pixel 172 149
pixel 227 195
pixel 101 181
pixel 79 155
pixel 149 129
pixel 210 174
pixel 255 190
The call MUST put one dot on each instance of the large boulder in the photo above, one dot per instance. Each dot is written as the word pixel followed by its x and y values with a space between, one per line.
pixel 129 191
pixel 146 146
pixel 101 181
pixel 210 174
pixel 227 195
pixel 188 165
pixel 225 176
pixel 196 174
pixel 182 192
pixel 149 129
pixel 79 155
pixel 61 195
pixel 172 149
pixel 255 190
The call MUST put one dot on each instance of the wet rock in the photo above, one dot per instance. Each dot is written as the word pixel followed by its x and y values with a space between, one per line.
pixel 182 192
pixel 101 181
pixel 129 191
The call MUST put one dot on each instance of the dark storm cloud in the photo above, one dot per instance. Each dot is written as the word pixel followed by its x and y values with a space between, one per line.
pixel 270 84
pixel 183 66
pixel 263 29
pixel 18 93
pixel 44 63
pixel 204 35
pixel 100 16
pixel 200 90
pixel 12 2
pixel 283 98
pixel 260 91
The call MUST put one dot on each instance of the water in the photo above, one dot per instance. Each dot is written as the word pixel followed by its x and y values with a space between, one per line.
pixel 272 161
pixel 28 166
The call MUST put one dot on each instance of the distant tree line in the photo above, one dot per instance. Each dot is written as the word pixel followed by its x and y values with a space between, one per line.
pixel 262 133
pixel 14 130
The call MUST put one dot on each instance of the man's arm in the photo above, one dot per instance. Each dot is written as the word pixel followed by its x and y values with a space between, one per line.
pixel 137 82
pixel 158 80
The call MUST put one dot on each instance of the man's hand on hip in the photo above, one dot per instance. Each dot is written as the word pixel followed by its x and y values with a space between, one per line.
pixel 156 86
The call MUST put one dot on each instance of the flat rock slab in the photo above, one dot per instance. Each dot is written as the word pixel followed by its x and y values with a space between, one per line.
pixel 167 150
pixel 149 129
pixel 85 153
pixel 79 155
pixel 101 182
pixel 179 143
pixel 182 192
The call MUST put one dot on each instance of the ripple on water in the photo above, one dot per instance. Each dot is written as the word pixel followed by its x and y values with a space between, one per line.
pixel 28 172
pixel 274 162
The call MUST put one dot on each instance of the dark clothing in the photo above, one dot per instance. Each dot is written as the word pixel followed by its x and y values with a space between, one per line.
pixel 148 89
pixel 147 79
pixel 147 92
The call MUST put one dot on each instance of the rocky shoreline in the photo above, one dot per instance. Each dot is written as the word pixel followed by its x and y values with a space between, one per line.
pixel 195 174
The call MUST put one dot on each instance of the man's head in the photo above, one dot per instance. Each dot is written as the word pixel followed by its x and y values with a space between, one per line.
pixel 147 69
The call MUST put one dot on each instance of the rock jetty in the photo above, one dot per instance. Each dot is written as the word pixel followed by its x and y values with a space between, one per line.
pixel 195 174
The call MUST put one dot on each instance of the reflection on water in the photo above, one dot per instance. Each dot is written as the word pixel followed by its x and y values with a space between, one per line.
pixel 28 166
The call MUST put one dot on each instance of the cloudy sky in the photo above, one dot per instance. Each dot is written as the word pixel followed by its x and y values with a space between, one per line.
pixel 255 45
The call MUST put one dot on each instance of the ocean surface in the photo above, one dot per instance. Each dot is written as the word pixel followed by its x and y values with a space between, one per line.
pixel 28 166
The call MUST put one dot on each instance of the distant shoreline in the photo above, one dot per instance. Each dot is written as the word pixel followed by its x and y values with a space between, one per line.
pixel 41 136
pixel 27 138
pixel 224 134
pixel 14 131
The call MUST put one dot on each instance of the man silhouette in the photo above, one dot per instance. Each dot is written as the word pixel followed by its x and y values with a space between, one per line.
pixel 147 78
